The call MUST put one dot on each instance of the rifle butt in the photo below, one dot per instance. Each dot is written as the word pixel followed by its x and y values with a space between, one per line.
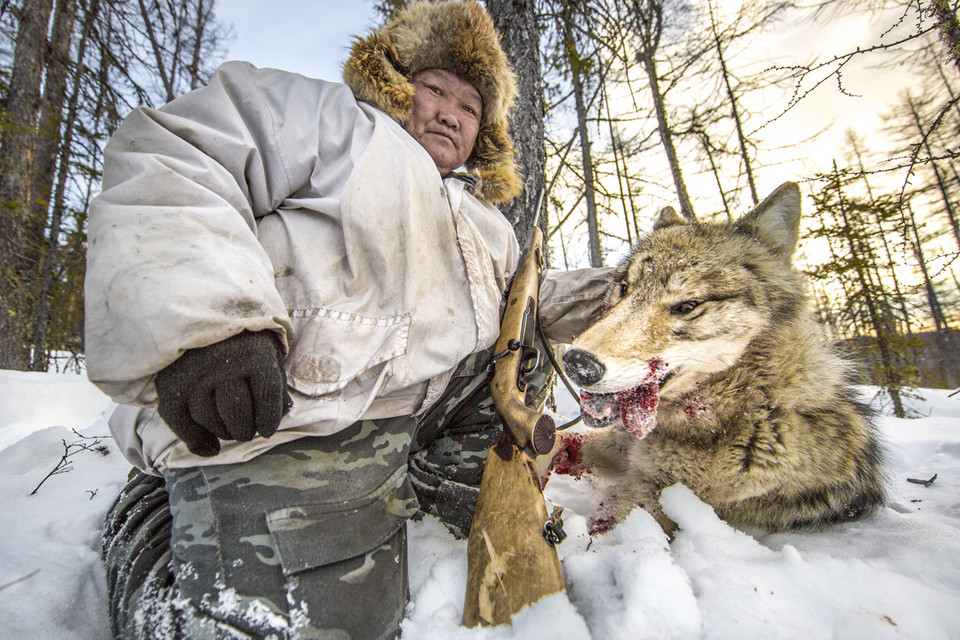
pixel 510 563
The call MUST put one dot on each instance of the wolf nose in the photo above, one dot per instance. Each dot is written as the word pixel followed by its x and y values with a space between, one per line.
pixel 583 367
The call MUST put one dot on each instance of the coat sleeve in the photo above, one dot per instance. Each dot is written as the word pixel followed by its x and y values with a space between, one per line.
pixel 571 301
pixel 173 260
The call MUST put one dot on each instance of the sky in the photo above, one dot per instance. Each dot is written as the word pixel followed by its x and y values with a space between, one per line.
pixel 309 37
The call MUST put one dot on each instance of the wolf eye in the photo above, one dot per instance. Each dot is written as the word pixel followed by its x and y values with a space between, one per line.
pixel 683 308
pixel 624 287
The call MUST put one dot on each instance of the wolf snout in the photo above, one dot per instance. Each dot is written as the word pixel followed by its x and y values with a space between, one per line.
pixel 583 367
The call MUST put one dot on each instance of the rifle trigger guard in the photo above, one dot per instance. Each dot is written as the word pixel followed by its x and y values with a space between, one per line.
pixel 553 528
pixel 529 366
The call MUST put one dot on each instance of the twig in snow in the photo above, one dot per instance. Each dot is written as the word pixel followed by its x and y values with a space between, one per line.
pixel 925 483
pixel 20 579
pixel 69 450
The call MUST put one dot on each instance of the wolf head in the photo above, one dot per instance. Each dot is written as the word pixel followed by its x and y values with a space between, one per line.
pixel 689 301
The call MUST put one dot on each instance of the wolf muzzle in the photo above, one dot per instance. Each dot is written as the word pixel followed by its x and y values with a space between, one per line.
pixel 582 367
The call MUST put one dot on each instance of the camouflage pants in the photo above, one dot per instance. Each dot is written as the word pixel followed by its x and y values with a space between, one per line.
pixel 308 540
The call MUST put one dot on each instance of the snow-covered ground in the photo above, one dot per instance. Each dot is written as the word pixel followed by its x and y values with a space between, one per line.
pixel 894 575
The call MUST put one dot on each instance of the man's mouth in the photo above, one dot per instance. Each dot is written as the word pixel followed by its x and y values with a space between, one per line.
pixel 443 135
pixel 636 407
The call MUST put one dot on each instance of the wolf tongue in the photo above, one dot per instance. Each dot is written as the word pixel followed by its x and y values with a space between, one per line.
pixel 638 408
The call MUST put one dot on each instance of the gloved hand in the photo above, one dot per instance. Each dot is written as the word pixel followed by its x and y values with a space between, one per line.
pixel 230 390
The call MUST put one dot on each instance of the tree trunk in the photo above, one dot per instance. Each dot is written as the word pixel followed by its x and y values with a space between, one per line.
pixel 593 230
pixel 901 298
pixel 47 150
pixel 879 326
pixel 50 262
pixel 734 111
pixel 650 24
pixel 516 21
pixel 199 28
pixel 841 277
pixel 947 204
pixel 715 170
pixel 16 163
pixel 51 117
pixel 167 76
pixel 944 336
pixel 947 85
pixel 617 149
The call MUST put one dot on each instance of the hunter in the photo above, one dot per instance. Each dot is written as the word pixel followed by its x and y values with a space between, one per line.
pixel 293 290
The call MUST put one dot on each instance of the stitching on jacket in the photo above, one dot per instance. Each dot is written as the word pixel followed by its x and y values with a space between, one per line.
pixel 346 316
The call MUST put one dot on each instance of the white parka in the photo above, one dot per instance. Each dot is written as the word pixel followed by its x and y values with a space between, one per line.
pixel 272 201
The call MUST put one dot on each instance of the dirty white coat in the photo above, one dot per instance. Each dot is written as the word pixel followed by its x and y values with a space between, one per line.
pixel 271 201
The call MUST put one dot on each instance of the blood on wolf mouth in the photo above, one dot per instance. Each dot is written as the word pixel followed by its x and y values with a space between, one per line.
pixel 636 406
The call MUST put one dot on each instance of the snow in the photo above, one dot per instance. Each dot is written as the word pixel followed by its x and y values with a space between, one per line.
pixel 893 575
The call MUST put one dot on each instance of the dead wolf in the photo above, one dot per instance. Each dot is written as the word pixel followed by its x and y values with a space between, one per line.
pixel 709 369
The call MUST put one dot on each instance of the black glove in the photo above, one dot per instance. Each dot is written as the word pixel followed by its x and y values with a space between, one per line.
pixel 230 390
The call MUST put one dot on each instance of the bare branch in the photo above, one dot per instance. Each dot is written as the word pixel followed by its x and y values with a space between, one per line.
pixel 65 465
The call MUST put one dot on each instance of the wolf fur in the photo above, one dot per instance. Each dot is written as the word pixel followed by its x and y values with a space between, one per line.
pixel 756 412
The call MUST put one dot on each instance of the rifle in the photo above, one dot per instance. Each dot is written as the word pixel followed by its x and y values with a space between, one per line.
pixel 511 560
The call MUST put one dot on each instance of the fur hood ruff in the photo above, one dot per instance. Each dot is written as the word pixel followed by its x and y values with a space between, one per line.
pixel 458 37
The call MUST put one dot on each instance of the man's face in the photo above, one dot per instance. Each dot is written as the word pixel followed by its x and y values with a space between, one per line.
pixel 445 118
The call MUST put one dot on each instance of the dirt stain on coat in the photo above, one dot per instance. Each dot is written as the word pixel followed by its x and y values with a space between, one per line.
pixel 316 369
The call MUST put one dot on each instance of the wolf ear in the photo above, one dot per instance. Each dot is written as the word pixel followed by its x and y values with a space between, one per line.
pixel 666 218
pixel 775 222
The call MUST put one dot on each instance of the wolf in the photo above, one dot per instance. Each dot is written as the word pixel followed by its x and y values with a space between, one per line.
pixel 709 369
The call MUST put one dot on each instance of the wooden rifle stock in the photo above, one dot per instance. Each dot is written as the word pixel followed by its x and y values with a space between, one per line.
pixel 510 564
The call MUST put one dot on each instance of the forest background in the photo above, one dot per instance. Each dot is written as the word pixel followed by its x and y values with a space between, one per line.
pixel 626 107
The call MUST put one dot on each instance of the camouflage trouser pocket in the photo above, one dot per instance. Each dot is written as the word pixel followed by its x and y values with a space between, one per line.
pixel 347 529
pixel 345 563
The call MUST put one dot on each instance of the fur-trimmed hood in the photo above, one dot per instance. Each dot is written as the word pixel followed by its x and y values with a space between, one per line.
pixel 459 37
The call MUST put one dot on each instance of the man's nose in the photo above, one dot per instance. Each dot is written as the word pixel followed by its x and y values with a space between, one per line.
pixel 447 114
